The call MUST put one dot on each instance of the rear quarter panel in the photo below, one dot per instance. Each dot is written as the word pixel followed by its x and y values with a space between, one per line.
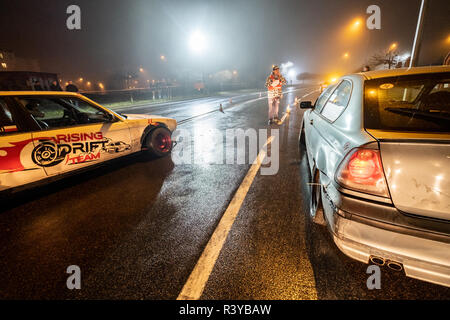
pixel 341 136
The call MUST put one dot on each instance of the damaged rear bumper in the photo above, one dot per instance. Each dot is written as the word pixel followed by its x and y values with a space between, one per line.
pixel 361 235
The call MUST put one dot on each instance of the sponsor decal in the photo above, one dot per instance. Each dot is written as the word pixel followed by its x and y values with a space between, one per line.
pixel 82 158
pixel 51 153
pixel 150 122
pixel 115 146
pixel 74 148
pixel 8 129
pixel 386 86
pixel 10 156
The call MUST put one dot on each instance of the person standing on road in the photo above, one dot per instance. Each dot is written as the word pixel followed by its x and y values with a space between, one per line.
pixel 71 87
pixel 274 84
pixel 37 86
pixel 55 86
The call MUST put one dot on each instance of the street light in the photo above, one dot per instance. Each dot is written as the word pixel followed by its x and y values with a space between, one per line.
pixel 356 24
pixel 393 46
pixel 197 42
pixel 141 69
pixel 163 57
pixel 291 74
pixel 346 55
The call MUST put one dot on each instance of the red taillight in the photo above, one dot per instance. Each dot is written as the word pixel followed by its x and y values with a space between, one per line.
pixel 362 170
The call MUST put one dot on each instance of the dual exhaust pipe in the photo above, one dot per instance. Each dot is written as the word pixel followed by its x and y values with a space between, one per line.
pixel 393 265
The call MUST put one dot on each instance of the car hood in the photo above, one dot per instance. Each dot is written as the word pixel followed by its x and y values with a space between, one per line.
pixel 140 116
pixel 171 123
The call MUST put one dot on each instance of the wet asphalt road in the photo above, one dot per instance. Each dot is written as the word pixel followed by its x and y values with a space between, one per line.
pixel 137 226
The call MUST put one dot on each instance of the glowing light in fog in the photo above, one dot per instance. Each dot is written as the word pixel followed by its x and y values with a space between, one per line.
pixel 393 46
pixel 355 25
pixel 197 42
pixel 292 74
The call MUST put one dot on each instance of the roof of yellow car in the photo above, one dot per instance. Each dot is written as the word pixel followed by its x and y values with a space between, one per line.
pixel 403 71
pixel 38 93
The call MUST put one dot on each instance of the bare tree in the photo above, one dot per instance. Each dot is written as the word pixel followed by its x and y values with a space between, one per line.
pixel 388 58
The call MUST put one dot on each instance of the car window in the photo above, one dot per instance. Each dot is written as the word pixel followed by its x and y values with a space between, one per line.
pixel 49 113
pixel 419 103
pixel 84 107
pixel 338 101
pixel 8 119
pixel 323 98
pixel 441 87
pixel 59 112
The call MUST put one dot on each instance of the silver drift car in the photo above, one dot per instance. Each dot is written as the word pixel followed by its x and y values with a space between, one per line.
pixel 378 147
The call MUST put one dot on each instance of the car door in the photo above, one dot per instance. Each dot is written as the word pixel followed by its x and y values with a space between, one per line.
pixel 74 133
pixel 328 137
pixel 16 145
pixel 311 122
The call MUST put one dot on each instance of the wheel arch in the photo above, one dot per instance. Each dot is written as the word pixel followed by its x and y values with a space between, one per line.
pixel 150 128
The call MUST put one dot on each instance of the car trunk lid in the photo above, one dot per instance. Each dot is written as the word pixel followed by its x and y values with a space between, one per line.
pixel 417 169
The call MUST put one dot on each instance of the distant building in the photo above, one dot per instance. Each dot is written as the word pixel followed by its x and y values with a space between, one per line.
pixel 10 62
pixel 18 73
pixel 26 81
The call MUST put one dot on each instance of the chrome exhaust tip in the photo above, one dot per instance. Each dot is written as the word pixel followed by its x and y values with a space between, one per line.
pixel 378 261
pixel 396 266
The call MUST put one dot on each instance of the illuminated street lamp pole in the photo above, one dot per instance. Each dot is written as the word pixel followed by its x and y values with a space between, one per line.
pixel 198 44
pixel 419 33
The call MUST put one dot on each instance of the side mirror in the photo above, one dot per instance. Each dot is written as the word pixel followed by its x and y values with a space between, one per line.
pixel 306 105
pixel 111 117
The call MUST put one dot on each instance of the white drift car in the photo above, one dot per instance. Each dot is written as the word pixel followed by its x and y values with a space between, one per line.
pixel 46 134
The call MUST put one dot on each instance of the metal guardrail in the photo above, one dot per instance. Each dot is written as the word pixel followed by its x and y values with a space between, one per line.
pixel 154 94
pixel 132 96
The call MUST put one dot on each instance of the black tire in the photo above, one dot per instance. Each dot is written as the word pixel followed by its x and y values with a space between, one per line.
pixel 316 213
pixel 159 142
pixel 302 144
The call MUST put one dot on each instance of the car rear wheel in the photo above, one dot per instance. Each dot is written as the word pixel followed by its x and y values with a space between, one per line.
pixel 316 208
pixel 159 142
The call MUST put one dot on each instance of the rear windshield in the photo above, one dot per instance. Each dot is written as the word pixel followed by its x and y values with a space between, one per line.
pixel 418 103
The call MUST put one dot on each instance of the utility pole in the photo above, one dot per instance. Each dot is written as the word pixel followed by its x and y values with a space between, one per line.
pixel 418 36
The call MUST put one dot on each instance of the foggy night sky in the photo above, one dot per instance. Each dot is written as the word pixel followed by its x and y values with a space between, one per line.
pixel 247 35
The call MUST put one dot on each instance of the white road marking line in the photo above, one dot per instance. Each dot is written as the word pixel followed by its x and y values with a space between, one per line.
pixel 194 286
pixel 283 118
pixel 286 114
pixel 305 95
